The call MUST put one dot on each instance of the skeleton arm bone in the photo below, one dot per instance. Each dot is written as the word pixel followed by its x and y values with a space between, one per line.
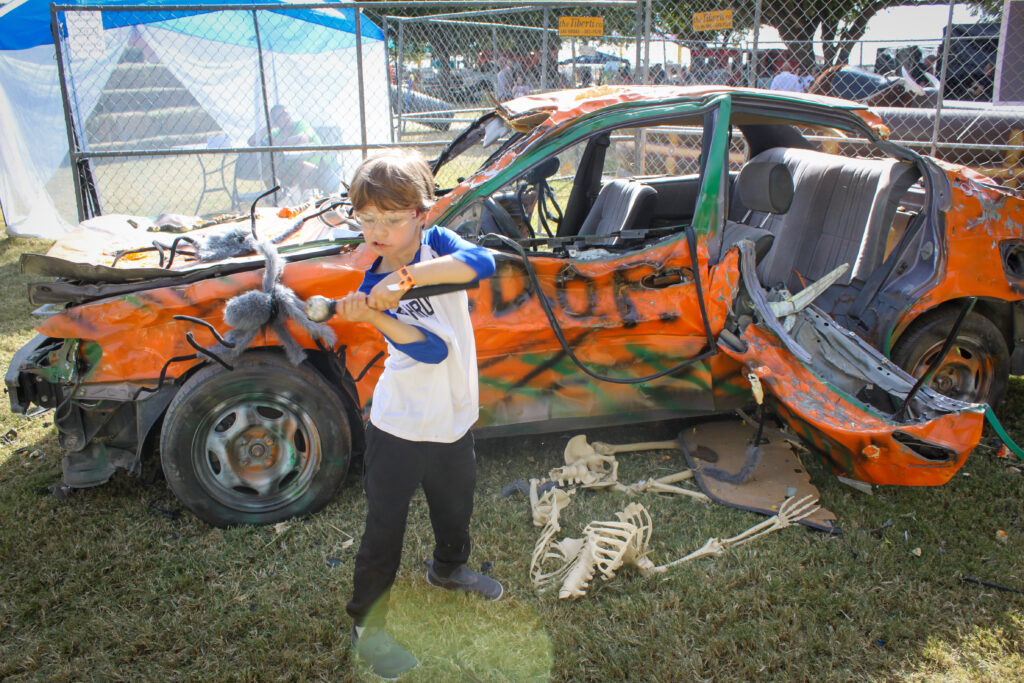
pixel 790 511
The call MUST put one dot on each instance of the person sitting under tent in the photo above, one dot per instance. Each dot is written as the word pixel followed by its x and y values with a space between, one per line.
pixel 303 171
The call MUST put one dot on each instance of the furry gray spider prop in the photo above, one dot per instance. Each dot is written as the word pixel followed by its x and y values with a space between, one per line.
pixel 252 311
pixel 226 244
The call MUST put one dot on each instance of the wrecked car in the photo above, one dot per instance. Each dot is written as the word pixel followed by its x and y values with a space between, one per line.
pixel 663 252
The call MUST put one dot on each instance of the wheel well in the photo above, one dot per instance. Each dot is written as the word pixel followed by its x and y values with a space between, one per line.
pixel 332 367
pixel 327 364
pixel 999 312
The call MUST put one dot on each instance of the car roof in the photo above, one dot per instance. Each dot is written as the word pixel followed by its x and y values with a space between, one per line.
pixel 565 105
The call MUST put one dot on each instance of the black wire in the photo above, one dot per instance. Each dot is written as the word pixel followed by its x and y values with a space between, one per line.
pixel 968 305
pixel 163 376
pixel 213 330
pixel 369 365
pixel 174 247
pixel 557 329
pixel 760 425
pixel 206 352
pixel 548 197
pixel 66 401
pixel 252 210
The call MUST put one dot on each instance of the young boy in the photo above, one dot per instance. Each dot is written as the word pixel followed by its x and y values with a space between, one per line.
pixel 425 401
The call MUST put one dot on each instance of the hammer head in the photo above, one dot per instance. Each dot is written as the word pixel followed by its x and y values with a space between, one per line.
pixel 319 308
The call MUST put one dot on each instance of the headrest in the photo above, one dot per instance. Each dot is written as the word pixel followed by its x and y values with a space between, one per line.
pixel 766 187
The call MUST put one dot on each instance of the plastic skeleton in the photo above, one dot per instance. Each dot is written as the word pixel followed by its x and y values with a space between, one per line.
pixel 593 466
pixel 545 513
pixel 608 546
pixel 605 547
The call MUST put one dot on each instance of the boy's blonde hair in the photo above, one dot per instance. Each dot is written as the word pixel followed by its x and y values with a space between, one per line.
pixel 393 181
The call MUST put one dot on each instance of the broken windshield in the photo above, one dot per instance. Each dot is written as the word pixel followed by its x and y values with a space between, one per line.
pixel 474 148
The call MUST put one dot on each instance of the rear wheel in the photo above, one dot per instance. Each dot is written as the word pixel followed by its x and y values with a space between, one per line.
pixel 977 367
pixel 258 444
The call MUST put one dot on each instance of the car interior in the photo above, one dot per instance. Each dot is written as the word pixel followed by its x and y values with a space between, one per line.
pixel 807 207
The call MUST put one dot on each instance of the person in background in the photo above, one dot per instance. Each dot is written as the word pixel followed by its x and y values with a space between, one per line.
pixel 503 82
pixel 424 403
pixel 297 170
pixel 658 75
pixel 788 78
pixel 520 89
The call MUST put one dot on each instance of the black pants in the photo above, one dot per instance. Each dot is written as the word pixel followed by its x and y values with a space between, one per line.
pixel 393 469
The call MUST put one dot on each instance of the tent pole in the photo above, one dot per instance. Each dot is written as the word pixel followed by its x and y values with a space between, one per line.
pixel 359 68
pixel 266 106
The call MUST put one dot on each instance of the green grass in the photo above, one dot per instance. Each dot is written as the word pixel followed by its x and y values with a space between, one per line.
pixel 119 582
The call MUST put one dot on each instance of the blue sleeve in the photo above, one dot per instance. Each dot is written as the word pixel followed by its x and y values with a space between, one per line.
pixel 445 242
pixel 431 350
pixel 371 278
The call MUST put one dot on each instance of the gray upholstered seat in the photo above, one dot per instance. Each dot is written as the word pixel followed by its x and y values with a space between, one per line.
pixel 621 205
pixel 766 189
pixel 841 212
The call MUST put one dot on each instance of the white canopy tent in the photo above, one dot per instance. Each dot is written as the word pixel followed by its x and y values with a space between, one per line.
pixel 309 61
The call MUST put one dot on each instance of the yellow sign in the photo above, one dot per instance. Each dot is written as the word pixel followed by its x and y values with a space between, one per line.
pixel 712 21
pixel 581 26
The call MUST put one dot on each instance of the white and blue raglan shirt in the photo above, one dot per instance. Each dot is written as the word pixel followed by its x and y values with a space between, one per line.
pixel 428 390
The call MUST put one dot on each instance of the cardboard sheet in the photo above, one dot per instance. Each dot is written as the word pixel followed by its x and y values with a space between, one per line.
pixel 778 475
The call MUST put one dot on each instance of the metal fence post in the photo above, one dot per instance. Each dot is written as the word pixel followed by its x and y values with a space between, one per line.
pixel 544 52
pixel 494 52
pixel 942 80
pixel 639 18
pixel 755 69
pixel 647 43
pixel 72 147
pixel 363 141
pixel 401 79
pixel 266 105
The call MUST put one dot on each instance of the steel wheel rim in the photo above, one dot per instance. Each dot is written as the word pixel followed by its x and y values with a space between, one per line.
pixel 965 373
pixel 257 453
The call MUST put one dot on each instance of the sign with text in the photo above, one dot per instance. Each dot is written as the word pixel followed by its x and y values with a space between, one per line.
pixel 712 21
pixel 581 26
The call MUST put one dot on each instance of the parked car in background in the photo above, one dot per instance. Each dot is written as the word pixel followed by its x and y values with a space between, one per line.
pixel 458 86
pixel 662 252
pixel 973 49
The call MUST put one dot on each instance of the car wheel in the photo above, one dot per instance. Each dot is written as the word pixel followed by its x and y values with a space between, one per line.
pixel 977 367
pixel 257 444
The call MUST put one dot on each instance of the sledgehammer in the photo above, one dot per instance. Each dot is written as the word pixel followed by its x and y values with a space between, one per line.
pixel 320 308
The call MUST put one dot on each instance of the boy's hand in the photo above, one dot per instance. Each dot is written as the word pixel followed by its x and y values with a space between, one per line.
pixel 354 308
pixel 381 298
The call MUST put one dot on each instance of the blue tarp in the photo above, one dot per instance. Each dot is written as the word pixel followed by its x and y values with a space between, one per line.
pixel 26 23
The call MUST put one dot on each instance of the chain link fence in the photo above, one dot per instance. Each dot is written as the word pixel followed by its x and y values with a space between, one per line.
pixel 197 112
pixel 946 78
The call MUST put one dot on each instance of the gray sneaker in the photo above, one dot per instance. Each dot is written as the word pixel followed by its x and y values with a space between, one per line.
pixel 385 657
pixel 465 579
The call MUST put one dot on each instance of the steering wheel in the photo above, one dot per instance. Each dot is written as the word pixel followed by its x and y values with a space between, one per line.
pixel 502 219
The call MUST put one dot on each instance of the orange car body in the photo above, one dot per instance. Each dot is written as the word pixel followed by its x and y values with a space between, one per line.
pixel 630 313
